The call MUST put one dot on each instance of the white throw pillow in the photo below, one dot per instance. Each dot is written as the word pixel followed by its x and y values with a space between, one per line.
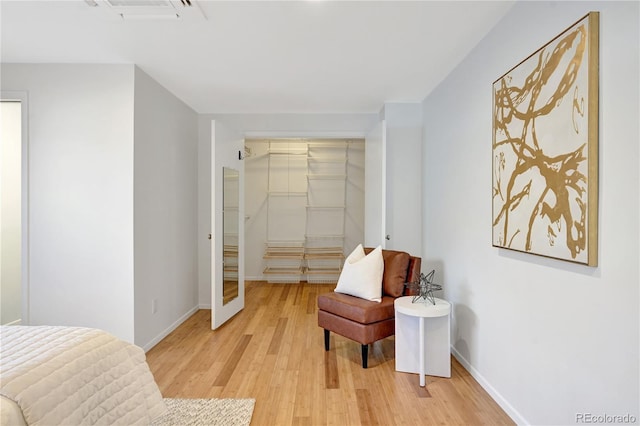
pixel 361 275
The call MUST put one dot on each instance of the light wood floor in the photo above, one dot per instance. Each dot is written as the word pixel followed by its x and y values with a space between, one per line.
pixel 273 351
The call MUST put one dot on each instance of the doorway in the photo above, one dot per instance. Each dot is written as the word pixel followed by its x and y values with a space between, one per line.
pixel 304 207
pixel 13 287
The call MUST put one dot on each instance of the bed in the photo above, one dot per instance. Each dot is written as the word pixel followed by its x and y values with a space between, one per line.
pixel 74 376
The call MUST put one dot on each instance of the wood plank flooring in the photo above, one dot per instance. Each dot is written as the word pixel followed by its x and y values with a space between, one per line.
pixel 273 351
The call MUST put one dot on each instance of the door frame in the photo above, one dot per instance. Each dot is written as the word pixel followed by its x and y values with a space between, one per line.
pixel 375 176
pixel 23 98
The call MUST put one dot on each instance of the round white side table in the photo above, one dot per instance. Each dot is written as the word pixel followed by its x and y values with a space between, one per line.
pixel 431 342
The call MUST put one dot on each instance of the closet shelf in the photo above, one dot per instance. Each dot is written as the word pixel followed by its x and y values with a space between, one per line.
pixel 324 252
pixel 285 243
pixel 327 176
pixel 327 143
pixel 327 159
pixel 333 271
pixel 325 255
pixel 325 207
pixel 287 194
pixel 324 248
pixel 283 256
pixel 323 236
pixel 285 152
pixel 274 270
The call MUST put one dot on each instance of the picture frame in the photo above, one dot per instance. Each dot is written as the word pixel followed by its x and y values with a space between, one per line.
pixel 545 149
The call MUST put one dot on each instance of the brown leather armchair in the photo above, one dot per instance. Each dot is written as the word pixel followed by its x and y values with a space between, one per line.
pixel 365 321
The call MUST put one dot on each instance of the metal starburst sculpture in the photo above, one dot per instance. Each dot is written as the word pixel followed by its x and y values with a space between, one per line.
pixel 425 287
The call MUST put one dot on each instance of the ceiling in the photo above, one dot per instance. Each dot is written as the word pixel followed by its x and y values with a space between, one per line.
pixel 263 56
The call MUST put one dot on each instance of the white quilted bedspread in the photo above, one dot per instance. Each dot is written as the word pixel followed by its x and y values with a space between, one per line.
pixel 76 376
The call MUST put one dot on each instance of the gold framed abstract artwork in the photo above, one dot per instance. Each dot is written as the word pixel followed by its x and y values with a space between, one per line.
pixel 545 149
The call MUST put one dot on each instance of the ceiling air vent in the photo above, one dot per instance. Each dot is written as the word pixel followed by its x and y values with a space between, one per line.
pixel 154 9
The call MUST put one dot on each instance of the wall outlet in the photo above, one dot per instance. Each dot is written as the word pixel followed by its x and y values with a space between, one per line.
pixel 154 306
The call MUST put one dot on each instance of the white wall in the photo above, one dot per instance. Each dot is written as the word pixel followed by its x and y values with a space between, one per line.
pixel 298 125
pixel 165 211
pixel 549 339
pixel 10 212
pixel 80 193
pixel 259 125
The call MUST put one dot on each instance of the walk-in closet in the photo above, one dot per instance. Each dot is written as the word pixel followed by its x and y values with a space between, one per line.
pixel 304 207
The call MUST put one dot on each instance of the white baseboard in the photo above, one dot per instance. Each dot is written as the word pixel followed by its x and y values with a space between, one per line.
pixel 499 399
pixel 169 329
pixel 15 322
pixel 204 306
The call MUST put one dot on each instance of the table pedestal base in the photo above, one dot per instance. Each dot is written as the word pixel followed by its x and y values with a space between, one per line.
pixel 432 334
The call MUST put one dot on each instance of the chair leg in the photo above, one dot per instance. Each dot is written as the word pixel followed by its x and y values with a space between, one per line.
pixel 326 339
pixel 365 355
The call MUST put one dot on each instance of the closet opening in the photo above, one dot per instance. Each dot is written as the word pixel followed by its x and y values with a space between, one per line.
pixel 304 207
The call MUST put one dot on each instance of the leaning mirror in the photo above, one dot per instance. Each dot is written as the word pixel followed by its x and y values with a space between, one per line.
pixel 230 213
